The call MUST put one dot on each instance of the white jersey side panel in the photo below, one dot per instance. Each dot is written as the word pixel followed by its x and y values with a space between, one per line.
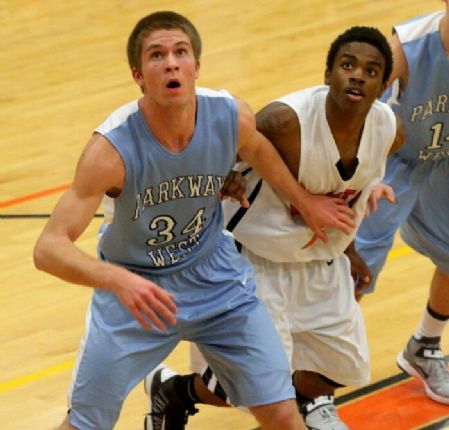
pixel 269 229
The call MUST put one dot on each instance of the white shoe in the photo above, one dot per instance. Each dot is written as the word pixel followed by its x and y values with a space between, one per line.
pixel 321 414
pixel 424 360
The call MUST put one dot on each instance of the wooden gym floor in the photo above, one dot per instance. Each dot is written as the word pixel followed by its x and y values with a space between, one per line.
pixel 63 69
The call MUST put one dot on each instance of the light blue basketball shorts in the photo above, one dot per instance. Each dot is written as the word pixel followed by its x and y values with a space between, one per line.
pixel 422 201
pixel 426 229
pixel 217 309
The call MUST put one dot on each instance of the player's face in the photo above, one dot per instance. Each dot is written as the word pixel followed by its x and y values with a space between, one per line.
pixel 168 67
pixel 356 76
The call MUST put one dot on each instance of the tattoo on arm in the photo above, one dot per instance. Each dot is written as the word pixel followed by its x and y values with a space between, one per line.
pixel 279 123
pixel 271 120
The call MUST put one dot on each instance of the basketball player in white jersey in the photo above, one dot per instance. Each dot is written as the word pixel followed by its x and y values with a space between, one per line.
pixel 335 138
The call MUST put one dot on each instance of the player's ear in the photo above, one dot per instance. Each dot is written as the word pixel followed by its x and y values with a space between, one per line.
pixel 197 71
pixel 137 76
pixel 327 77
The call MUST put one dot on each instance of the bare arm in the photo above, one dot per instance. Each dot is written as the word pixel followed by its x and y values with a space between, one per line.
pixel 399 73
pixel 100 170
pixel 381 190
pixel 399 139
pixel 400 65
pixel 256 150
pixel 280 125
pixel 359 270
pixel 234 187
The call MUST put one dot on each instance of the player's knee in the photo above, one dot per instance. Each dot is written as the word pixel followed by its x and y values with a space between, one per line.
pixel 66 425
pixel 277 415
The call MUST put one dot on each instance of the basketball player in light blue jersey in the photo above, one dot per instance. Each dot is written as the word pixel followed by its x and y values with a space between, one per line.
pixel 166 271
pixel 418 173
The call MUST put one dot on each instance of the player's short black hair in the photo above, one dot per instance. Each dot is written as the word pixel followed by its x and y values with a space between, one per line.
pixel 369 35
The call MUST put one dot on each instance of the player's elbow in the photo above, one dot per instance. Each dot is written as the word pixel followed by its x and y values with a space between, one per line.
pixel 40 255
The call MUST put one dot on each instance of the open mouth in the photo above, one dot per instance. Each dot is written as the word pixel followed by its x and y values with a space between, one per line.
pixel 356 92
pixel 174 83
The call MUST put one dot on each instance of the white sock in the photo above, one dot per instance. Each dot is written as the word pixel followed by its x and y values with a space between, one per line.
pixel 430 326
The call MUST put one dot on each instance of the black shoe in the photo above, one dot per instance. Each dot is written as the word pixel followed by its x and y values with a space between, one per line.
pixel 167 410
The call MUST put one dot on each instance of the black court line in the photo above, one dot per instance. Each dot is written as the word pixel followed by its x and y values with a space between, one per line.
pixel 33 216
pixel 372 388
pixel 443 424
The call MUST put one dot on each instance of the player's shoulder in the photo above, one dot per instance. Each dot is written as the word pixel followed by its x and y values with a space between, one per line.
pixel 216 102
pixel 419 27
pixel 280 118
pixel 100 164
pixel 382 114
pixel 307 101
pixel 382 119
pixel 118 117
pixel 213 93
pixel 380 108
pixel 276 118
pixel 304 95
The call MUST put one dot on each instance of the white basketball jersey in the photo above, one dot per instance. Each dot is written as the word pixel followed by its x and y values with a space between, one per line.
pixel 268 227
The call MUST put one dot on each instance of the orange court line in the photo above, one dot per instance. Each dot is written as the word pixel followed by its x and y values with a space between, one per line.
pixel 28 197
pixel 403 406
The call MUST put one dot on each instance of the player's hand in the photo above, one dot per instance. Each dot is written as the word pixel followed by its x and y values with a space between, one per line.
pixel 321 212
pixel 234 187
pixel 380 191
pixel 145 300
pixel 360 272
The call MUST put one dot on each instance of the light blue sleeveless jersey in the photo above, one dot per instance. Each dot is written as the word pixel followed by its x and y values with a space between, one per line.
pixel 421 165
pixel 168 214
pixel 424 105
